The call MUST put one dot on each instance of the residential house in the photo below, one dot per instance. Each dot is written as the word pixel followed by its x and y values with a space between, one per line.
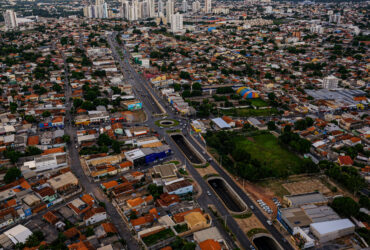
pixel 181 187
pixel 95 215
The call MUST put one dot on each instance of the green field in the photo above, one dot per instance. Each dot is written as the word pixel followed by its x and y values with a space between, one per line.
pixel 258 103
pixel 265 148
pixel 246 112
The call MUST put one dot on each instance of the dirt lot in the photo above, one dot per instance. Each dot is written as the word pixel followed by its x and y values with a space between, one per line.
pixel 249 223
pixel 135 116
pixel 267 190
pixel 206 170
pixel 306 186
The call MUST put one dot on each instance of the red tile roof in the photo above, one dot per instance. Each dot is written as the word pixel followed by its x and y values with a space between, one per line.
pixel 345 160
pixel 33 140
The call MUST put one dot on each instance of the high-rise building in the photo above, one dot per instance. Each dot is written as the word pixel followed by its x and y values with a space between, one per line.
pixel 195 6
pixel 135 13
pixel 208 6
pixel 125 9
pixel 144 7
pixel 176 22
pixel 10 18
pixel 184 6
pixel 335 18
pixel 105 10
pixel 160 8
pixel 330 82
pixel 99 10
pixel 170 9
pixel 151 6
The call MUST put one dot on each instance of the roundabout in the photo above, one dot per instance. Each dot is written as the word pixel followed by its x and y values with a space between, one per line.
pixel 167 123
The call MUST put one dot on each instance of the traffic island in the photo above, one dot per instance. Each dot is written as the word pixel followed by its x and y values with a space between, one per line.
pixel 167 123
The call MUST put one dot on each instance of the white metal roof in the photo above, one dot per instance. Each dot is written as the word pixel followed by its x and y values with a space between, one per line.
pixel 332 226
pixel 221 123
pixel 18 234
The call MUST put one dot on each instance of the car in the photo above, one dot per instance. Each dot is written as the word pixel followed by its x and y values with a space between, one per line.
pixel 269 222
pixel 252 247
pixel 252 207
pixel 209 193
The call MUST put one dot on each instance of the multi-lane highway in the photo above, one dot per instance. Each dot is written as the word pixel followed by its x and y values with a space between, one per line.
pixel 204 200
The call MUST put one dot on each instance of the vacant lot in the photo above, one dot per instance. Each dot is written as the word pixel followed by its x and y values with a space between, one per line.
pixel 306 186
pixel 246 112
pixel 249 223
pixel 265 148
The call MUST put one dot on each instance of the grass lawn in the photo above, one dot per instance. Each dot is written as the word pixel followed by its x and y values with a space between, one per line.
pixel 258 103
pixel 246 112
pixel 265 148
pixel 181 228
pixel 154 238
pixel 160 123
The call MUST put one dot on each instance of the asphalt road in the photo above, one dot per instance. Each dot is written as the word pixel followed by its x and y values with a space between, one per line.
pixel 204 200
pixel 89 187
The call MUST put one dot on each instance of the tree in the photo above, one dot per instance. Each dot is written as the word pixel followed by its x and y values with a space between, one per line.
pixel 197 86
pixel 241 154
pixel 12 155
pixel 287 129
pixel 77 102
pixel 104 140
pixel 271 96
pixel 89 232
pixel 57 88
pixel 66 138
pixel 116 90
pixel 271 125
pixel 133 215
pixel 32 150
pixel 176 87
pixel 116 147
pixel 155 190
pixel 364 201
pixel 88 105
pixel 34 239
pixel 345 206
pixel 268 75
pixel 12 174
pixel 13 107
pixel 182 244
pixel 30 118
pixel 185 75
pixel 46 113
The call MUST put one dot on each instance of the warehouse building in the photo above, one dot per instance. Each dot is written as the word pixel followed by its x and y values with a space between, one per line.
pixel 147 155
pixel 298 200
pixel 331 230
pixel 301 217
